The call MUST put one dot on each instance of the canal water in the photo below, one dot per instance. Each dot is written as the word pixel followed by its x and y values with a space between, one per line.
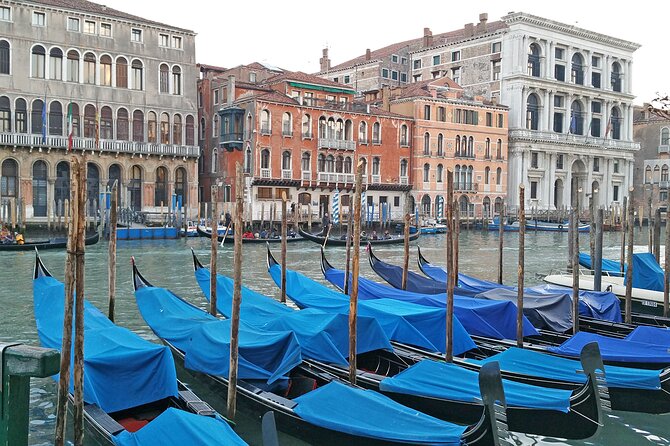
pixel 167 263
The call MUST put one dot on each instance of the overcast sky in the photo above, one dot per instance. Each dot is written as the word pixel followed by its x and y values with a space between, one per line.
pixel 291 34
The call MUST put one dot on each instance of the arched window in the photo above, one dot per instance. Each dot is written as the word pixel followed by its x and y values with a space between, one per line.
pixel 106 71
pixel 114 176
pixel 404 137
pixel 498 176
pixel 403 168
pixel 426 173
pixel 202 131
pixel 321 163
pixel 339 130
pixel 457 177
pixel 164 79
pixel 330 163
pixel 426 143
pixel 348 130
pixel 331 128
pixel 438 176
pixel 323 128
pixel 160 191
pixel 56 64
pixel 215 161
pixel 664 172
pixel 165 128
pixel 534 60
pixel 9 179
pixel 135 188
pixel 375 165
pixel 457 151
pixel 137 75
pixel 265 122
pixel 55 118
pixel 5 115
pixel 487 154
pixel 176 80
pixel 247 160
pixel 62 184
pixel 76 129
pixel 576 118
pixel 616 77
pixel 138 126
pixel 176 130
pixel 36 117
pixel 92 188
pixel 376 133
pixel 306 126
pixel 306 162
pixel 38 62
pixel 532 112
pixel 190 131
pixel 577 72
pixel 347 165
pixel 89 68
pixel 40 189
pixel 5 59
pixel 21 116
pixel 121 72
pixel 152 127
pixel 471 147
pixel 286 160
pixel 339 164
pixel 363 132
pixel 616 123
pixel 265 159
pixel 180 184
pixel 470 171
pixel 499 149
pixel 648 178
pixel 72 66
pixel 665 136
pixel 287 124
pixel 487 174
pixel 89 121
pixel 106 123
pixel 122 125
pixel 440 144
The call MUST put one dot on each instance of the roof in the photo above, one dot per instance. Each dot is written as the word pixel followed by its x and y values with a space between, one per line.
pixel 422 88
pixel 299 76
pixel 98 9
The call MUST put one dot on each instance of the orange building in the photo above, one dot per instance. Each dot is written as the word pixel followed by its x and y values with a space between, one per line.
pixel 453 132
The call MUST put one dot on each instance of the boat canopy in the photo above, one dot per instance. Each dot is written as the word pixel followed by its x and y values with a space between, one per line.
pixel 122 370
pixel 615 349
pixel 532 363
pixel 479 317
pixel 650 335
pixel 647 273
pixel 369 414
pixel 608 266
pixel 403 322
pixel 205 340
pixel 461 384
pixel 176 427
pixel 322 336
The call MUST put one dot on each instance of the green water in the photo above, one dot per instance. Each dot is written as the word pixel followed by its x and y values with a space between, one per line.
pixel 168 264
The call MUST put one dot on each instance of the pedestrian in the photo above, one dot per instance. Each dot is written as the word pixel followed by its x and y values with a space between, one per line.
pixel 325 222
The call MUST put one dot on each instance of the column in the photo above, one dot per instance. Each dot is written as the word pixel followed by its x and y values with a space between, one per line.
pixel 589 176
pixel 606 187
pixel 589 117
pixel 524 107
pixel 568 111
pixel 587 68
pixel 630 122
pixel 607 67
pixel 550 60
pixel 51 194
pixel 629 77
pixel 550 117
pixel 549 182
pixel 544 122
pixel 567 186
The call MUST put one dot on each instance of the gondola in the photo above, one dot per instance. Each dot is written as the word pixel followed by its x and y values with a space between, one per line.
pixel 131 394
pixel 230 238
pixel 332 241
pixel 630 389
pixel 308 403
pixel 58 243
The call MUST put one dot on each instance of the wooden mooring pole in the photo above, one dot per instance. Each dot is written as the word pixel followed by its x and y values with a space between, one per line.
pixel 597 259
pixel 501 237
pixel 629 269
pixel 666 261
pixel 237 293
pixel 574 262
pixel 624 220
pixel 657 235
pixel 80 217
pixel 457 233
pixel 405 261
pixel 451 277
pixel 214 242
pixel 350 230
pixel 112 251
pixel 353 295
pixel 283 246
pixel 521 270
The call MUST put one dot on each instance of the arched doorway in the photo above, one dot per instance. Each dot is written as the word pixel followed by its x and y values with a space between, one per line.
pixel 464 205
pixel 135 189
pixel 92 187
pixel 40 189
pixel 577 186
pixel 425 205
pixel 486 204
pixel 62 185
pixel 498 205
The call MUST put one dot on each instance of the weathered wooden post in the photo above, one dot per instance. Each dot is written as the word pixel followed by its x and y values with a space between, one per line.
pixel 521 270
pixel 262 216
pixel 353 295
pixel 501 236
pixel 657 235
pixel 350 230
pixel 405 262
pixel 629 269
pixel 451 277
pixel 666 261
pixel 237 292
pixel 283 246
pixel 624 220
pixel 650 226
pixel 592 225
pixel 112 251
pixel 213 246
pixel 457 233
pixel 574 261
pixel 597 259
pixel 80 216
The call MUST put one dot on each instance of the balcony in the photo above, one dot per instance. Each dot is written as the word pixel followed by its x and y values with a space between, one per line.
pixel 562 138
pixel 333 177
pixel 266 130
pixel 663 184
pixel 106 145
pixel 338 144
pixel 265 173
pixel 231 141
pixel 404 180
pixel 307 175
pixel 376 179
pixel 286 174
pixel 664 149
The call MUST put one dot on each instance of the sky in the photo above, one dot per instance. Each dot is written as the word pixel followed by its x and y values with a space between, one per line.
pixel 292 34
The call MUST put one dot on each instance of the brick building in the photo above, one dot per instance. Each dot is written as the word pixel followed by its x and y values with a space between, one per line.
pixel 652 162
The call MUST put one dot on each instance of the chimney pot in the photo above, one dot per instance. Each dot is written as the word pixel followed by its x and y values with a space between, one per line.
pixel 368 54
pixel 231 89
pixel 483 17
pixel 469 29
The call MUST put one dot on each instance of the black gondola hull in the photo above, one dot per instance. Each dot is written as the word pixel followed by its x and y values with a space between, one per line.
pixel 47 244
pixel 231 239
pixel 339 242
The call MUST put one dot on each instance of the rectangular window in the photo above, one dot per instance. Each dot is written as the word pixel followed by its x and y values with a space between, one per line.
pixel 596 107
pixel 558 122
pixel 595 80
pixel 89 72
pixel 394 75
pixel 106 29
pixel 5 13
pixel 615 166
pixel 500 121
pixel 396 201
pixel 456 74
pixel 417 64
pixel 73 24
pixel 163 40
pixel 216 96
pixel 403 60
pixel 533 190
pixel 559 72
pixel 559 161
pixel 39 19
pixel 558 53
pixel 533 160
pixel 595 61
pixel 426 112
pixel 595 127
pixel 441 114
pixel 615 193
pixel 403 77
pixel 558 101
pixel 495 70
pixel 264 193
pixel 252 77
pixel 176 42
pixel 89 27
pixel 596 164
pixel 385 73
pixel 489 119
pixel 347 79
pixel 281 190
pixel 136 35
pixel 436 60
pixel 394 58
pixel 495 47
pixel 455 56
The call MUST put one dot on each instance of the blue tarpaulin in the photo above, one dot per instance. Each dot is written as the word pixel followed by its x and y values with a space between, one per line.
pixel 479 317
pixel 608 266
pixel 175 427
pixel 121 370
pixel 322 336
pixel 441 380
pixel 650 335
pixel 647 273
pixel 368 414
pixel 542 365
pixel 401 321
pixel 205 340
pixel 614 349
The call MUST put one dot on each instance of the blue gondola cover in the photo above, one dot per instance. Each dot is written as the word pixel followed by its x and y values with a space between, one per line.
pixel 121 370
pixel 613 349
pixel 647 273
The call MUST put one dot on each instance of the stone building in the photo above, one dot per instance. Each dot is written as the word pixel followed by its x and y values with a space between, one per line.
pixel 467 136
pixel 129 84
pixel 652 162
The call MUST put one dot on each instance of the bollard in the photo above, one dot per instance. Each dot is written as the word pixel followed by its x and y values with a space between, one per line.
pixel 17 364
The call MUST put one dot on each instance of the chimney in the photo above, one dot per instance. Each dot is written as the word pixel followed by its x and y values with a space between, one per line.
pixel 481 26
pixel 386 98
pixel 231 90
pixel 427 38
pixel 368 54
pixel 469 30
pixel 325 61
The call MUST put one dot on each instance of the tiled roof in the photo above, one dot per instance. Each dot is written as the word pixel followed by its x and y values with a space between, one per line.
pixel 95 8
pixel 203 66
pixel 422 88
pixel 299 76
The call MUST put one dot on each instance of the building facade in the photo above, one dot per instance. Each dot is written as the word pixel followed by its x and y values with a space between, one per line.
pixel 129 85
pixel 465 136
pixel 652 162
